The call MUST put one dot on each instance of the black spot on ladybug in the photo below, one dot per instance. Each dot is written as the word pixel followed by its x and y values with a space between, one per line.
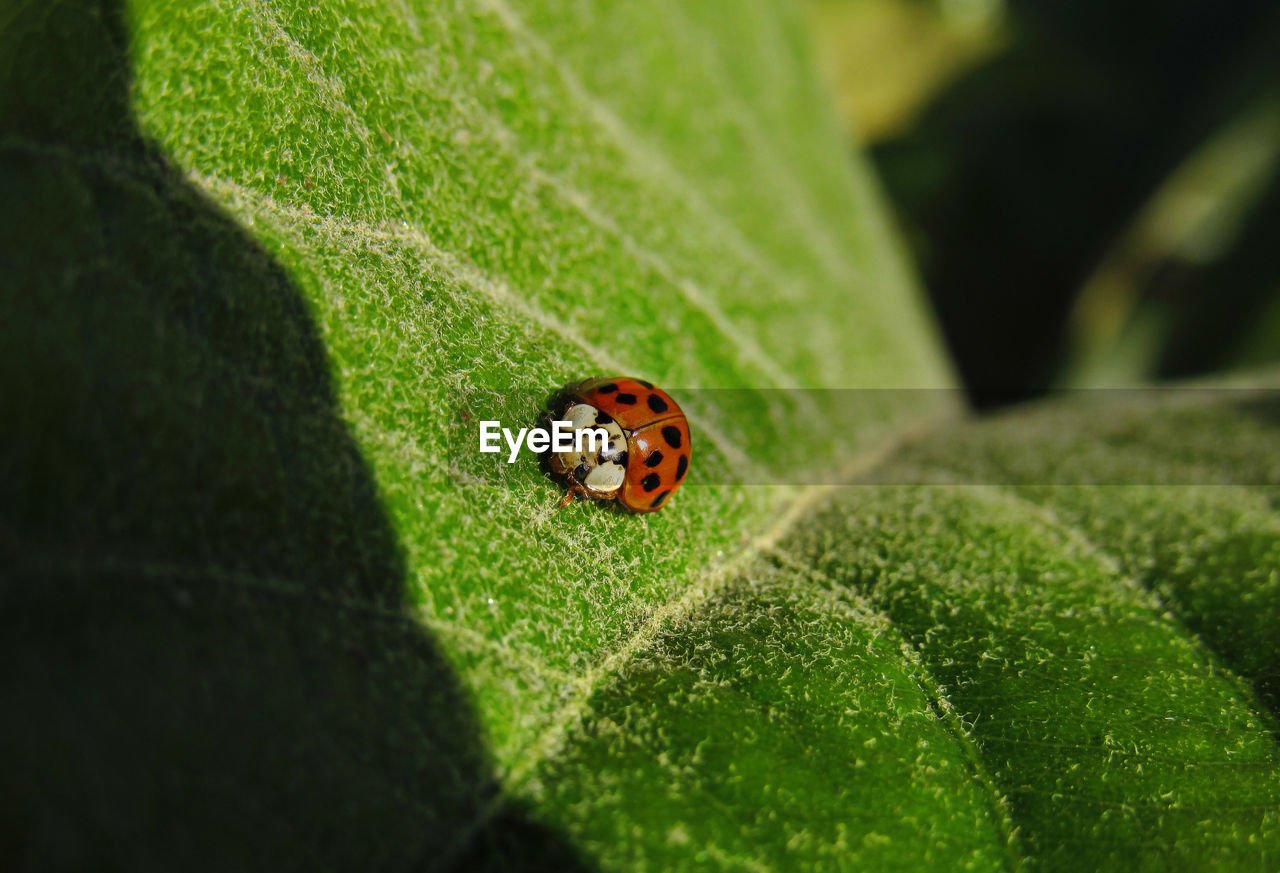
pixel 682 467
pixel 653 460
pixel 671 434
pixel 608 388
pixel 626 399
pixel 657 501
pixel 603 417
pixel 580 472
pixel 657 404
pixel 648 385
pixel 650 482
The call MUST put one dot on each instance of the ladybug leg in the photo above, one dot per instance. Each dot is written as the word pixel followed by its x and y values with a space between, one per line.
pixel 566 500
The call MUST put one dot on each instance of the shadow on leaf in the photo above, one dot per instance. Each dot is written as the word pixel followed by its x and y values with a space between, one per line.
pixel 210 662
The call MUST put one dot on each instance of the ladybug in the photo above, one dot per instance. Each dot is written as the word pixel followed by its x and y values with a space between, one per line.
pixel 647 454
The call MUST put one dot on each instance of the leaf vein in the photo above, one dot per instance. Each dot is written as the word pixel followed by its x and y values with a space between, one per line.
pixel 553 739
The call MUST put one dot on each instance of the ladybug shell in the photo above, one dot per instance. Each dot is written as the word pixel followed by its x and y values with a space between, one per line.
pixel 658 447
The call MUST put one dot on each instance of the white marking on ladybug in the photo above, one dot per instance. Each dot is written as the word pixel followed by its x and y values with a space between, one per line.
pixel 606 478
pixel 581 416
pixel 602 471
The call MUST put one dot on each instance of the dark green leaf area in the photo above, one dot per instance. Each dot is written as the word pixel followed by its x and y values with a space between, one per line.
pixel 1116 739
pixel 779 726
pixel 1211 558
pixel 224 725
pixel 1176 489
pixel 169 396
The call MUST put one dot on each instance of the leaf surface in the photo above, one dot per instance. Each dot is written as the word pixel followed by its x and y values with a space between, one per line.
pixel 271 263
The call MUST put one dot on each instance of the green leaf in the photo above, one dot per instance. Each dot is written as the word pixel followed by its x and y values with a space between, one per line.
pixel 265 605
pixel 998 675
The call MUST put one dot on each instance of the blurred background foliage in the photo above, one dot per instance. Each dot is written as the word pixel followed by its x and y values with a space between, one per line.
pixel 1091 189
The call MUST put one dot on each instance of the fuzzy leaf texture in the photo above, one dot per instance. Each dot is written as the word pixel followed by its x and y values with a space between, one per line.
pixel 266 265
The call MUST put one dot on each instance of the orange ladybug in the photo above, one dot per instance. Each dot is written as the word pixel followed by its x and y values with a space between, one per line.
pixel 647 453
